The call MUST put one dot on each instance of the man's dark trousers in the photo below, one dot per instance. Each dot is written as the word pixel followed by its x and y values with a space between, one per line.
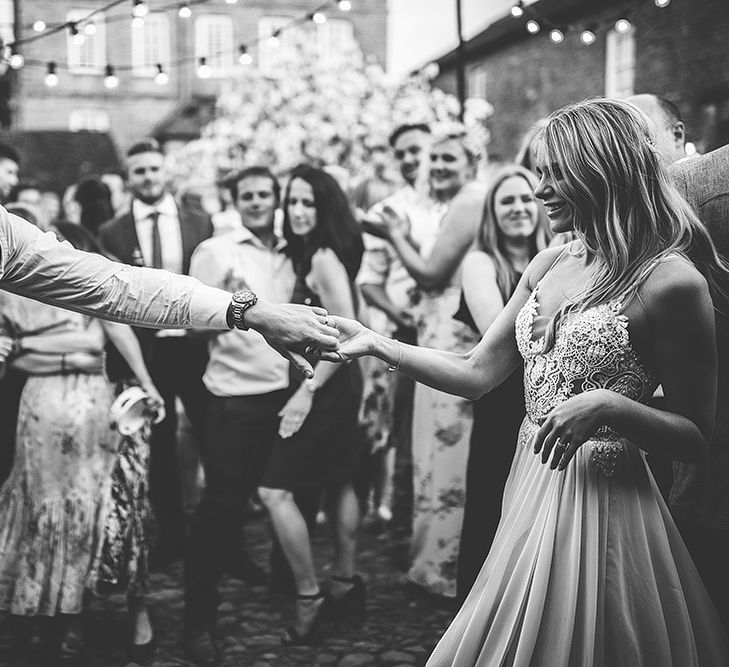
pixel 240 434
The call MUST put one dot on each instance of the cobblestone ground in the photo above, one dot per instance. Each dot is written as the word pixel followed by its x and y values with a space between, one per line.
pixel 402 624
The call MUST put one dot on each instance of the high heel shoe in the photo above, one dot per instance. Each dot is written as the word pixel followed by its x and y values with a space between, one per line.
pixel 142 654
pixel 351 607
pixel 292 637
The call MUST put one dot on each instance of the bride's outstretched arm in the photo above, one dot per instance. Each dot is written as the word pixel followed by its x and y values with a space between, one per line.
pixel 471 374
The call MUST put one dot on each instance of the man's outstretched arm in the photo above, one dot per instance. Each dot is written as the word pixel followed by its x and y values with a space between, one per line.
pixel 37 265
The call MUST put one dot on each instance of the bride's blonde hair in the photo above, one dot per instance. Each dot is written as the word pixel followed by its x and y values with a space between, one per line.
pixel 626 211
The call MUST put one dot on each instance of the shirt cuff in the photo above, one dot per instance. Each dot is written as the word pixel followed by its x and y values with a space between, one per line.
pixel 208 308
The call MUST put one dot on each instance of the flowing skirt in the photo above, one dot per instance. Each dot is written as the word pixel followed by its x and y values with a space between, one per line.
pixel 587 569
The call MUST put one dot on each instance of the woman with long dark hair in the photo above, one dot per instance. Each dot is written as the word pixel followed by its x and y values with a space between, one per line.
pixel 317 447
pixel 587 567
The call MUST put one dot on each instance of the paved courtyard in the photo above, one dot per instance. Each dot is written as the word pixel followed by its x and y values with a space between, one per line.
pixel 402 624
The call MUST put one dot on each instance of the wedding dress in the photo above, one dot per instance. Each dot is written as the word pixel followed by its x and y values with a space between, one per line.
pixel 587 568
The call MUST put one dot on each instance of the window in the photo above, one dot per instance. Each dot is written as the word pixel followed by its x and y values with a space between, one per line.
pixel 334 37
pixel 214 42
pixel 7 21
pixel 150 45
pixel 93 120
pixel 619 64
pixel 88 56
pixel 477 83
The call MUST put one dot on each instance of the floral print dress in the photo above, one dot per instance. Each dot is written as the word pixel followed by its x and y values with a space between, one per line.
pixel 53 506
pixel 441 436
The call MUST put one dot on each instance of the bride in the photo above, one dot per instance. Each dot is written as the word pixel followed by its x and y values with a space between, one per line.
pixel 587 567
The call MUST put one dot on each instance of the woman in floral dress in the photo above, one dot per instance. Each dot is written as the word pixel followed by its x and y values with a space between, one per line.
pixel 441 423
pixel 54 505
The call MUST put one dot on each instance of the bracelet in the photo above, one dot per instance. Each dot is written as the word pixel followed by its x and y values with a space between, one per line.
pixel 63 364
pixel 396 367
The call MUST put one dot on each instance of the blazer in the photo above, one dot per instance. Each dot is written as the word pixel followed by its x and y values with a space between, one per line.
pixel 119 236
pixel 700 491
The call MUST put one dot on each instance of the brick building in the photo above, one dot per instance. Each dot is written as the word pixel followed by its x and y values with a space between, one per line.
pixel 139 105
pixel 679 51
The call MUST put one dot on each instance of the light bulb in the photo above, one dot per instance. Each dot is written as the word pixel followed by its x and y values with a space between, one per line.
pixel 39 26
pixel 185 12
pixel 51 78
pixel 111 80
pixel 556 35
pixel 245 58
pixel 318 17
pixel 140 9
pixel 137 22
pixel 78 39
pixel 345 5
pixel 517 10
pixel 161 78
pixel 16 61
pixel 533 27
pixel 90 29
pixel 587 37
pixel 622 26
pixel 273 41
pixel 662 3
pixel 230 2
pixel 203 69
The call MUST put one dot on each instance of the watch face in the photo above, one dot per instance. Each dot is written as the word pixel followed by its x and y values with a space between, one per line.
pixel 244 297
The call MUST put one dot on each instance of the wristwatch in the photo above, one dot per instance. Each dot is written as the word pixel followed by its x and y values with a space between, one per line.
pixel 240 302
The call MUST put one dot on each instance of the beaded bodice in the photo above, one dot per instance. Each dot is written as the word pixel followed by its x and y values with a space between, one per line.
pixel 592 350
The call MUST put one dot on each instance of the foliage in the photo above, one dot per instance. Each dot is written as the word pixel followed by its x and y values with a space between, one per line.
pixel 299 106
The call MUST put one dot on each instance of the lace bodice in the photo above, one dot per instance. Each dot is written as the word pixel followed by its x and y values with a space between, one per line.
pixel 592 350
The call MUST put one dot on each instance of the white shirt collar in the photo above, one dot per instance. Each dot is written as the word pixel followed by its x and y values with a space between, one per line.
pixel 245 235
pixel 166 206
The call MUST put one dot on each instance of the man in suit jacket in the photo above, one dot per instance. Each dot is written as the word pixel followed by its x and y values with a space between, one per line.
pixel 699 497
pixel 155 232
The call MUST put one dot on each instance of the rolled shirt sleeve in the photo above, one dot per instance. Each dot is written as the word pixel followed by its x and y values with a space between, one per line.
pixel 37 265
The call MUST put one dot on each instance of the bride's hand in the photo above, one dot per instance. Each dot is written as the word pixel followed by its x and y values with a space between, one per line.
pixel 355 340
pixel 569 425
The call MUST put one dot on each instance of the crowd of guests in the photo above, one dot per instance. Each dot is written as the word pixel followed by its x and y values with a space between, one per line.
pixel 430 259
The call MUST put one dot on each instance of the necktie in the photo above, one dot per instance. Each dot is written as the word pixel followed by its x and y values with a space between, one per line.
pixel 156 241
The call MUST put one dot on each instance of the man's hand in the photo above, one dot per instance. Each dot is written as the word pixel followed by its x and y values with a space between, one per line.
pixel 290 329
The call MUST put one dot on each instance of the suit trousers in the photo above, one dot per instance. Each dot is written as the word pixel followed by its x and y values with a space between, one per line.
pixel 240 434
pixel 176 365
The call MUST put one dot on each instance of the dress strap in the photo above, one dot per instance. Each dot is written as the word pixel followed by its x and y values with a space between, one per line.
pixel 553 264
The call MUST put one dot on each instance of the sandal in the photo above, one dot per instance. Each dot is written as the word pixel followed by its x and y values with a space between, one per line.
pixel 292 637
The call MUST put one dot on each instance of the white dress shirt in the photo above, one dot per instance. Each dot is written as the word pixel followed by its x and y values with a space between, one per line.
pixel 169 231
pixel 242 363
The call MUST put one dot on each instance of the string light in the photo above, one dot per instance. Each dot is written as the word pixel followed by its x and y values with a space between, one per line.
pixel 273 41
pixel 244 58
pixel 51 78
pixel 16 60
pixel 623 26
pixel 185 12
pixel 76 37
pixel 318 17
pixel 230 2
pixel 533 27
pixel 204 70
pixel 161 77
pixel 588 36
pixel 137 22
pixel 39 26
pixel 111 80
pixel 345 5
pixel 140 9
pixel 517 10
pixel 90 29
pixel 556 35
pixel 662 3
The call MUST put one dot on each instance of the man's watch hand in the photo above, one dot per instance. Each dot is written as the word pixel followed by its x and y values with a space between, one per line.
pixel 291 328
